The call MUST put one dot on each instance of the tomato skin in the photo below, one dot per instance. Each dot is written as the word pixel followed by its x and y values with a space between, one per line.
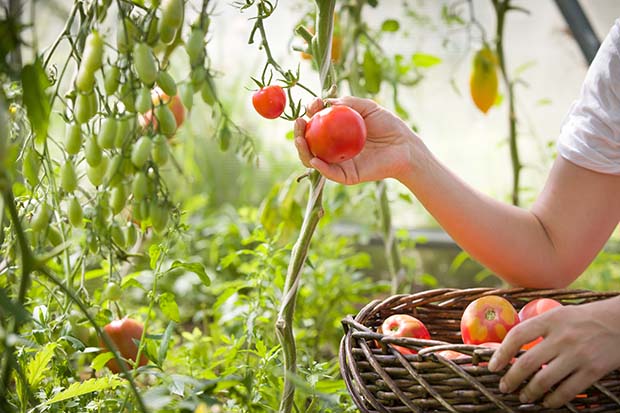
pixel 160 150
pixel 131 235
pixel 123 333
pixel 269 101
pixel 96 173
pixel 41 218
pixel 111 80
pixel 488 319
pixel 143 100
pixel 118 197
pixel 186 94
pixel 82 111
pixel 483 81
pixel 533 309
pixel 75 213
pixel 107 133
pixel 195 46
pixel 141 151
pixel 336 134
pixel 171 19
pixel 145 64
pixel 404 325
pixel 167 83
pixel 68 177
pixel 174 104
pixel 451 354
pixel 166 120
pixel 92 152
pixel 139 186
pixel 112 291
pixel 73 138
pixel 92 60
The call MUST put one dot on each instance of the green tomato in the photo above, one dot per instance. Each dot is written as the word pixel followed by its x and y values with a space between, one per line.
pixel 159 216
pixel 140 186
pixel 85 80
pixel 207 91
pixel 195 47
pixel 112 290
pixel 198 76
pixel 68 177
pixel 117 235
pixel 131 235
pixel 41 218
pixel 172 13
pixel 73 138
pixel 31 164
pixel 111 79
pixel 167 83
pixel 127 97
pixel 186 94
pixel 153 31
pixel 225 136
pixel 118 197
pixel 135 210
pixel 145 208
pixel 97 173
pixel 166 120
pixel 160 151
pixel 82 111
pixel 107 133
pixel 114 173
pixel 167 34
pixel 123 127
pixel 145 63
pixel 141 151
pixel 92 57
pixel 92 151
pixel 143 100
pixel 75 213
pixel 54 236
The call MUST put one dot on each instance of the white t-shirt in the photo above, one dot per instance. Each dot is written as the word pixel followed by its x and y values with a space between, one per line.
pixel 590 133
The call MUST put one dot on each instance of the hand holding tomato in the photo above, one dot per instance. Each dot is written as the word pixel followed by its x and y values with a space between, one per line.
pixel 386 153
pixel 580 346
pixel 533 309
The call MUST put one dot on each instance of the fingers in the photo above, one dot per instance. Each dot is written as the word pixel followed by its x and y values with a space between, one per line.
pixel 300 142
pixel 330 171
pixel 547 377
pixel 569 388
pixel 364 107
pixel 519 335
pixel 314 106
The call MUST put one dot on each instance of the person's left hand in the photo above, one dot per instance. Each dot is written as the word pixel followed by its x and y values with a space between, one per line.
pixel 580 346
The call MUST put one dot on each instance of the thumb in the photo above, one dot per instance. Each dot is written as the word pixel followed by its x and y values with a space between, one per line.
pixel 332 172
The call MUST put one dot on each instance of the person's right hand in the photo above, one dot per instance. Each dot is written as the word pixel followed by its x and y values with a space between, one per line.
pixel 387 153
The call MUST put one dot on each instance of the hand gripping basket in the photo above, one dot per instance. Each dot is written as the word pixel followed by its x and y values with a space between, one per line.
pixel 380 379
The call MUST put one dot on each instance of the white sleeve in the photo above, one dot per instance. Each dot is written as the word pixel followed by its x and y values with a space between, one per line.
pixel 590 133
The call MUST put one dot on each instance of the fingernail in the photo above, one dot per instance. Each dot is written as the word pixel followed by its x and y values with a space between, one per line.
pixel 492 364
pixel 502 387
pixel 313 162
pixel 523 398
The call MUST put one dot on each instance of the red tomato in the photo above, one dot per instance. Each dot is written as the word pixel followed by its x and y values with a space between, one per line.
pixel 534 308
pixel 336 134
pixel 174 103
pixel 269 101
pixel 403 325
pixel 123 333
pixel 451 354
pixel 488 319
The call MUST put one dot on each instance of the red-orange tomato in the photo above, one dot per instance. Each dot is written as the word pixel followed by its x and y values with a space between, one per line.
pixel 174 103
pixel 269 101
pixel 534 308
pixel 336 134
pixel 488 319
pixel 403 325
pixel 451 354
pixel 123 333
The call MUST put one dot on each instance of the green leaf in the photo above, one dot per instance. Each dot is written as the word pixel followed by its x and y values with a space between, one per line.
pixel 165 342
pixel 390 25
pixel 425 60
pixel 372 73
pixel 85 387
pixel 154 254
pixel 428 280
pixel 37 367
pixel 101 360
pixel 195 267
pixel 169 306
pixel 35 82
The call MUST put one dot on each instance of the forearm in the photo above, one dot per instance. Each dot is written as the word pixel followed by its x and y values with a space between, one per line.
pixel 517 244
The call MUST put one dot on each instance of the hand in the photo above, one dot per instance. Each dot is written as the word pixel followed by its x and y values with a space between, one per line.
pixel 580 346
pixel 386 154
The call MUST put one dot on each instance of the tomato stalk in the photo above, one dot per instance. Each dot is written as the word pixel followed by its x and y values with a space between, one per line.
pixel 314 212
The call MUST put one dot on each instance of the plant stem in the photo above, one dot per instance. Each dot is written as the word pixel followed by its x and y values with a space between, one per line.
pixel 314 212
pixel 501 8
pixel 392 253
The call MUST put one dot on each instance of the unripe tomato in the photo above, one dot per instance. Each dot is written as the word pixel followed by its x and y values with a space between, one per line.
pixel 143 100
pixel 207 91
pixel 53 235
pixel 153 34
pixel 488 319
pixel 93 104
pixel 92 151
pixel 140 186
pixel 118 197
pixel 186 93
pixel 158 213
pixel 68 177
pixel 75 213
pixel 85 80
pixel 159 98
pixel 171 19
pixel 96 173
pixel 31 164
pixel 73 138
pixel 166 120
pixel 127 97
pixel 112 291
pixel 533 309
pixel 41 218
pixel 92 57
pixel 167 83
pixel 141 151
pixel 269 101
pixel 123 128
pixel 111 79
pixel 123 333
pixel 145 63
pixel 114 173
pixel 404 325
pixel 160 150
pixel 198 76
pixel 131 235
pixel 483 80
pixel 107 133
pixel 145 209
pixel 336 134
pixel 136 213
pixel 117 235
pixel 195 47
pixel 82 110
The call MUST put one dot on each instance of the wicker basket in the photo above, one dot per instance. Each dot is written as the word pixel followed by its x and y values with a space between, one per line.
pixel 380 379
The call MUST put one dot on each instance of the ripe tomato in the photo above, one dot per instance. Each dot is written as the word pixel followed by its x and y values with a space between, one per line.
pixel 487 319
pixel 144 63
pixel 403 325
pixel 269 101
pixel 336 134
pixel 534 308
pixel 123 333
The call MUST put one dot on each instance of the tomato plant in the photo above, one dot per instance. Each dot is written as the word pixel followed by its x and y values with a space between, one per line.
pixel 533 309
pixel 404 325
pixel 336 134
pixel 269 101
pixel 125 333
pixel 487 319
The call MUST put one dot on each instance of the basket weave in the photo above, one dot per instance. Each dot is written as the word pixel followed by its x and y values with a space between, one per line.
pixel 380 379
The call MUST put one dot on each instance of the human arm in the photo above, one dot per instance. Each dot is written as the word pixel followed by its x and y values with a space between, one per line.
pixel 547 246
